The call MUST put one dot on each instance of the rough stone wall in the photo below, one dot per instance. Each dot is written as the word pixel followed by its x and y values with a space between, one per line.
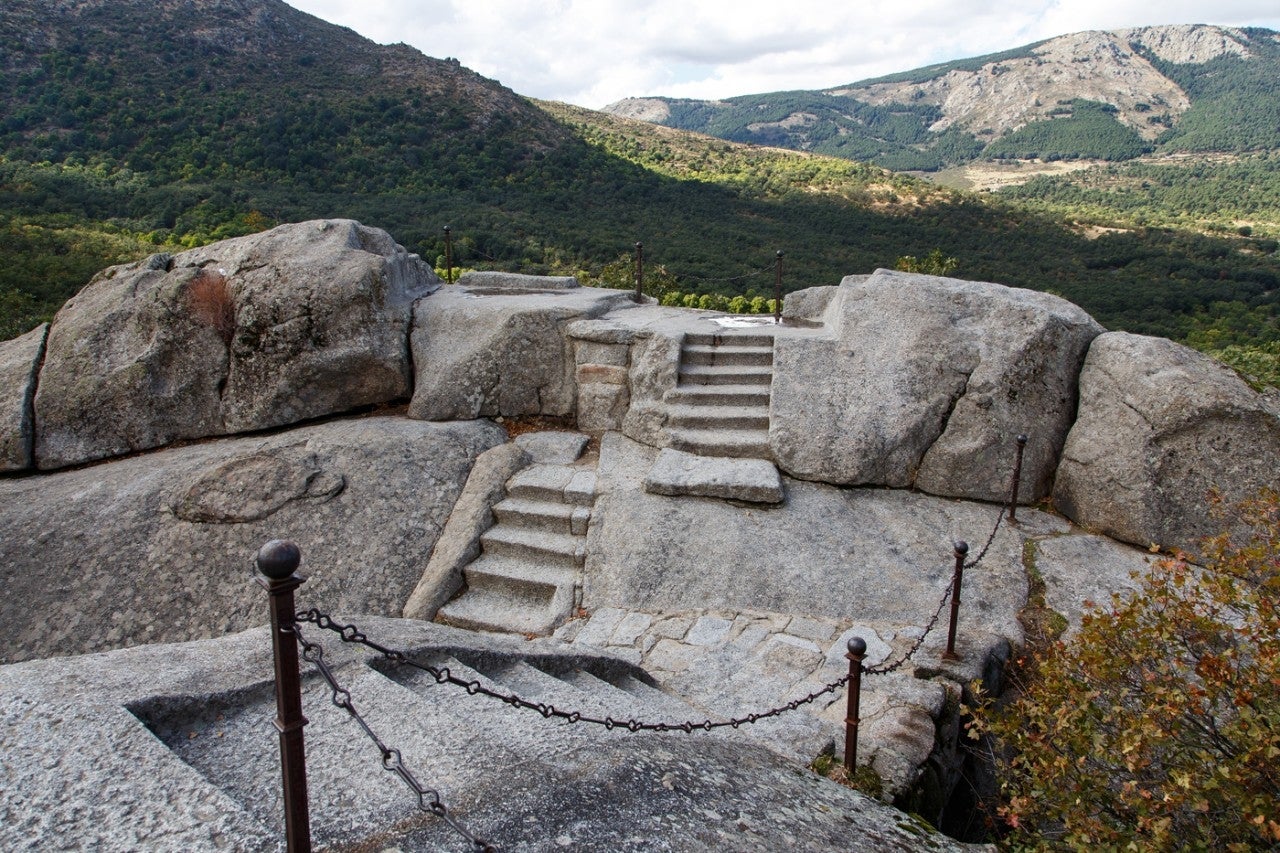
pixel 925 382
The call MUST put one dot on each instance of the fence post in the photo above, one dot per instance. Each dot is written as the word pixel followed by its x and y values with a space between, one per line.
pixel 448 253
pixel 961 549
pixel 277 560
pixel 639 271
pixel 777 290
pixel 857 651
pixel 1017 475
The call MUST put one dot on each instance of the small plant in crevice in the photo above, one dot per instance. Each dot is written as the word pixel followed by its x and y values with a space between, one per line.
pixel 864 778
pixel 211 302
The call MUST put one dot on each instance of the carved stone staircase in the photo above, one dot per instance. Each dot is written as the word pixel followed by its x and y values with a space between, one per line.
pixel 528 577
pixel 449 739
pixel 720 406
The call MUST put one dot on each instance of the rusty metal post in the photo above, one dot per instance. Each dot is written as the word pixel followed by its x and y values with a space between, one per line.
pixel 277 560
pixel 777 290
pixel 448 253
pixel 961 550
pixel 639 272
pixel 857 651
pixel 1017 475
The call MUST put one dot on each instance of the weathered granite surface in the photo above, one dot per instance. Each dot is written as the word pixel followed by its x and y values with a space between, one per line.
pixel 477 353
pixel 497 280
pixel 19 368
pixel 865 554
pixel 294 323
pixel 1160 425
pixel 158 547
pixel 925 381
pixel 171 746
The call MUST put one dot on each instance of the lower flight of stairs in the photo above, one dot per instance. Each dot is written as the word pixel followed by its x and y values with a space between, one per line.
pixel 528 577
pixel 720 406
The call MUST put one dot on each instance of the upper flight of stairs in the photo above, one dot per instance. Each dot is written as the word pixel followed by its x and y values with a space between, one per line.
pixel 720 406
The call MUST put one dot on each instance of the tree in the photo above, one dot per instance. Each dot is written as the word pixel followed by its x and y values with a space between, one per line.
pixel 934 263
pixel 1158 725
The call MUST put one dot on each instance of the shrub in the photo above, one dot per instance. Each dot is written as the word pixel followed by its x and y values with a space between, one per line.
pixel 1158 725
pixel 934 263
pixel 212 303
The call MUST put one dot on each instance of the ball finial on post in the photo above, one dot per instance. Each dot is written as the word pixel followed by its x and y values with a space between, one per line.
pixel 278 559
pixel 857 651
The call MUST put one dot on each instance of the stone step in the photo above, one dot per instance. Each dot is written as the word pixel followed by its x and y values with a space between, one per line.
pixel 726 355
pixel 630 698
pixel 537 546
pixel 740 444
pixel 718 417
pixel 345 778
pixel 554 483
pixel 670 707
pixel 518 577
pixel 514 596
pixel 544 739
pixel 741 339
pixel 695 374
pixel 718 395
pixel 675 472
pixel 550 516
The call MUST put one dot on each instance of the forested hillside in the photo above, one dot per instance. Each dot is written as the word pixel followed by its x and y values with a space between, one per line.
pixel 131 126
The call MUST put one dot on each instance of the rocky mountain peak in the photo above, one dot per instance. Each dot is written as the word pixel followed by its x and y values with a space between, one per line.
pixel 1105 66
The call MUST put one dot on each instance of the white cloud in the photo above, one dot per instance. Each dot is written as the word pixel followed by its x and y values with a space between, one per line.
pixel 593 52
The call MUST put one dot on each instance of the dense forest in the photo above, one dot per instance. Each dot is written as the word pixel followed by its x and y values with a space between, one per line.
pixel 108 153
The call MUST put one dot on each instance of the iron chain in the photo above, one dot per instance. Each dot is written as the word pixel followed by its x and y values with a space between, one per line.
pixel 428 798
pixel 442 675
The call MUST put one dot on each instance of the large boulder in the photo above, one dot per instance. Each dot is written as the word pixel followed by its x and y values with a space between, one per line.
pixel 158 547
pixel 294 323
pixel 925 381
pixel 1159 426
pixel 19 368
pixel 500 350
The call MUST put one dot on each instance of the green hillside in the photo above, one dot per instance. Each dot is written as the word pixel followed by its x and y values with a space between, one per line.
pixel 1235 102
pixel 1083 130
pixel 132 126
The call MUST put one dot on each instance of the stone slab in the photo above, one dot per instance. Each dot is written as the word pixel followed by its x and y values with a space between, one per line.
pixel 676 472
pixel 551 447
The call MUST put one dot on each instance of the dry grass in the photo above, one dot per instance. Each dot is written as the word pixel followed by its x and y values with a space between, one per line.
pixel 212 303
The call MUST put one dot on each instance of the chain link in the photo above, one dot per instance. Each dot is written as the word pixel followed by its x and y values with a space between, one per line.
pixel 752 274
pixel 428 798
pixel 990 539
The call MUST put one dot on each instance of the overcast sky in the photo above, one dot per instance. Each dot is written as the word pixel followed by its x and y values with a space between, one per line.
pixel 595 52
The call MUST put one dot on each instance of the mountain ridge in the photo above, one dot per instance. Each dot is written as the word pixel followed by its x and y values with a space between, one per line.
pixel 1104 94
pixel 128 128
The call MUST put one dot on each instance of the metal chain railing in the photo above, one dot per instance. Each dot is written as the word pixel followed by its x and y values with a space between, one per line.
pixel 428 798
pixel 352 634
pixel 716 280
pixel 278 560
pixel 442 675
